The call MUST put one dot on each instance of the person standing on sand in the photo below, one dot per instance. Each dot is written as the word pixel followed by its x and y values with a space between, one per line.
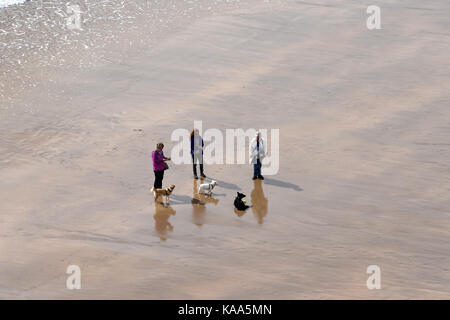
pixel 257 153
pixel 159 165
pixel 197 145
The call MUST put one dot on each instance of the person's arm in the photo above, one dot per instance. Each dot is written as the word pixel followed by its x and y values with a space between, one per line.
pixel 165 158
pixel 251 152
pixel 251 149
pixel 154 159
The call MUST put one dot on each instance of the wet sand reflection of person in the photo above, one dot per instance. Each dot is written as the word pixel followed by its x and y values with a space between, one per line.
pixel 259 201
pixel 162 216
pixel 199 201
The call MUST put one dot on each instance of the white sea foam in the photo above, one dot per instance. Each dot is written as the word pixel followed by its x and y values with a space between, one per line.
pixel 5 3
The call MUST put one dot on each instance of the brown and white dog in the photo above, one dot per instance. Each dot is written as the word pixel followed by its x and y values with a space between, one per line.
pixel 163 192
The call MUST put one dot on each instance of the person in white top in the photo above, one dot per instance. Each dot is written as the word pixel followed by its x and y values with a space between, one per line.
pixel 257 152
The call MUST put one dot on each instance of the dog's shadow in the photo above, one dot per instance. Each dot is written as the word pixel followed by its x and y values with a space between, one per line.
pixel 200 199
pixel 223 184
pixel 180 199
pixel 196 201
pixel 213 194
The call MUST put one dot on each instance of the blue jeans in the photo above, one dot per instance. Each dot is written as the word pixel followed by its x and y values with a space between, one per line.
pixel 257 168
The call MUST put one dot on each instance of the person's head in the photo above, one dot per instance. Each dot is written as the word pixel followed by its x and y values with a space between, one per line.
pixel 257 135
pixel 159 147
pixel 194 132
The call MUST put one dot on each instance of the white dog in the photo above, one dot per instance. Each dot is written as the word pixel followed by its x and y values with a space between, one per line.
pixel 207 187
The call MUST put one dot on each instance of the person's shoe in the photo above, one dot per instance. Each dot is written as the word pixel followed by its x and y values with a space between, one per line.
pixel 195 177
pixel 254 178
pixel 203 175
pixel 261 177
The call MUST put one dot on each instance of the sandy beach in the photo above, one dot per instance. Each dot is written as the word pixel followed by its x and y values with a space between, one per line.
pixel 364 174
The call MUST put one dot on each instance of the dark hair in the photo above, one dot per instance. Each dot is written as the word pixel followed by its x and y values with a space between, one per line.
pixel 193 132
pixel 159 145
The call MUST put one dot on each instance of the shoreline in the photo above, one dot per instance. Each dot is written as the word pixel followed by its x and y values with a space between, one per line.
pixel 110 33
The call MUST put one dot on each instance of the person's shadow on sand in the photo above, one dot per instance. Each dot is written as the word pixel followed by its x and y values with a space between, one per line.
pixel 259 201
pixel 199 201
pixel 282 184
pixel 162 216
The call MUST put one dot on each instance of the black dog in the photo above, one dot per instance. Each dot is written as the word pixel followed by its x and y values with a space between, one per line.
pixel 239 204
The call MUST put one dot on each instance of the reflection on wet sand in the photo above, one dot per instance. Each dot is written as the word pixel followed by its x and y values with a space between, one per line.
pixel 199 201
pixel 239 213
pixel 259 201
pixel 161 216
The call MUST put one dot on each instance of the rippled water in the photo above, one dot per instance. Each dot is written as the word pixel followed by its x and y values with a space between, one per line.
pixel 5 3
pixel 36 43
pixel 38 50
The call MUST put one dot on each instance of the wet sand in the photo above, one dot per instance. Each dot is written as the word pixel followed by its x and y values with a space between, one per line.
pixel 364 163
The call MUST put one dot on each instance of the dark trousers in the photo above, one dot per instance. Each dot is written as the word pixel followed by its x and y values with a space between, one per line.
pixel 257 168
pixel 159 176
pixel 194 163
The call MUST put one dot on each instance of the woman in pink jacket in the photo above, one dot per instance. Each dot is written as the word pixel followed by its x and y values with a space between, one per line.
pixel 159 165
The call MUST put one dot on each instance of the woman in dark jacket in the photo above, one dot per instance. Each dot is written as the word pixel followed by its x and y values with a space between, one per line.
pixel 197 145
